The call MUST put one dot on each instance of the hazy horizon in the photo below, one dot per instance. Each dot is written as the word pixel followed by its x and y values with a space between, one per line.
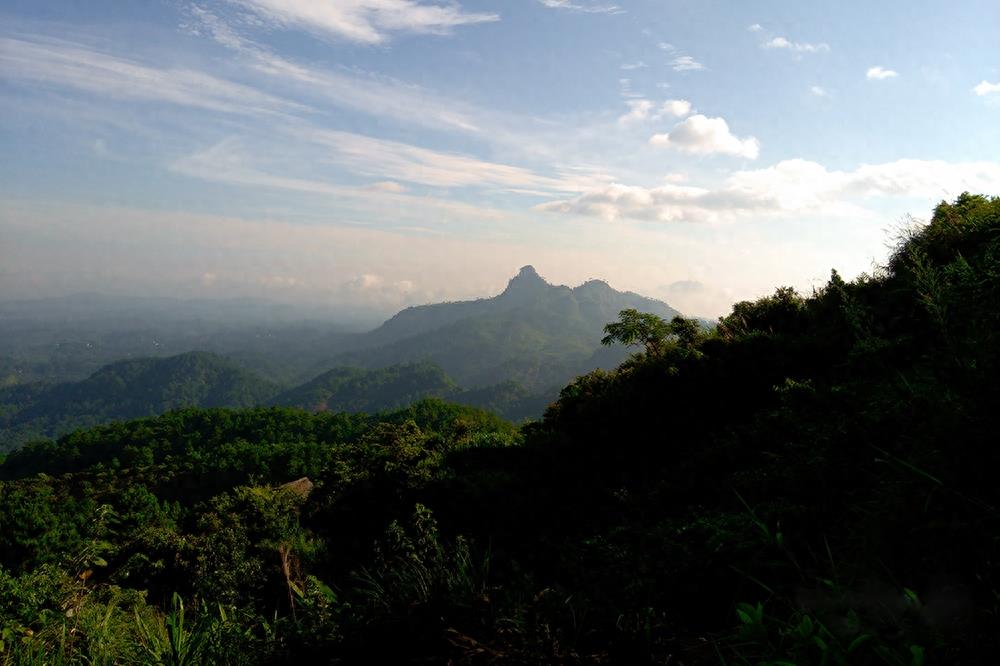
pixel 376 154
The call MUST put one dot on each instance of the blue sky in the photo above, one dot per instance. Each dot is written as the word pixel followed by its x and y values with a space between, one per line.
pixel 393 152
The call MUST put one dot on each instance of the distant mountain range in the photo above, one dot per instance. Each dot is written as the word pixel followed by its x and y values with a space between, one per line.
pixel 510 353
pixel 537 334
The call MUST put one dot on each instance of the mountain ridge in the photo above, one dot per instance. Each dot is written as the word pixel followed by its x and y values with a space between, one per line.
pixel 533 332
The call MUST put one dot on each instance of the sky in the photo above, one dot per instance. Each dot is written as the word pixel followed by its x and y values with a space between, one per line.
pixel 397 152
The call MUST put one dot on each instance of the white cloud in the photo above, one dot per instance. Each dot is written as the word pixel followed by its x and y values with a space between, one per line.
pixel 879 73
pixel 639 110
pixel 365 21
pixel 589 7
pixel 798 47
pixel 686 63
pixel 643 109
pixel 756 27
pixel 702 135
pixel 986 88
pixel 819 91
pixel 76 66
pixel 665 203
pixel 789 187
pixel 676 107
pixel 665 46
pixel 634 65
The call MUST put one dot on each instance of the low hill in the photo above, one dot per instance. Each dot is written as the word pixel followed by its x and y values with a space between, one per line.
pixel 152 386
pixel 347 389
pixel 356 390
pixel 125 390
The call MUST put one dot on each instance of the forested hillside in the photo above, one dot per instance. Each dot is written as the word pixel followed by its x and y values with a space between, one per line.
pixel 152 386
pixel 811 482
pixel 126 390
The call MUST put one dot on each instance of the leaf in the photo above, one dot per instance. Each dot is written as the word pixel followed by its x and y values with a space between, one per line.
pixel 858 642
pixel 918 655
pixel 805 627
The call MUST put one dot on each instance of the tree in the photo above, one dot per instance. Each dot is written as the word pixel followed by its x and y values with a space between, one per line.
pixel 687 331
pixel 638 328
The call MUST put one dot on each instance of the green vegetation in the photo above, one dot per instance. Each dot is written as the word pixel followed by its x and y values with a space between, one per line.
pixel 125 390
pixel 811 482
pixel 357 390
pixel 147 387
pixel 510 354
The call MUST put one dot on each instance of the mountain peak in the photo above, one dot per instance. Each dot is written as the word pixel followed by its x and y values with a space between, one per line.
pixel 528 275
pixel 527 279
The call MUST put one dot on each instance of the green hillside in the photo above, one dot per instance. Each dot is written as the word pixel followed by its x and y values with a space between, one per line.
pixel 148 387
pixel 357 390
pixel 126 390
pixel 811 482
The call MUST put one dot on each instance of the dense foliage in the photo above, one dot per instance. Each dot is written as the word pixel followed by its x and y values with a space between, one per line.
pixel 813 481
pixel 151 386
pixel 124 390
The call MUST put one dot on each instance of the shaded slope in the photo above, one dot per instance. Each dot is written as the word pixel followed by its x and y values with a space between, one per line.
pixel 128 389
pixel 356 390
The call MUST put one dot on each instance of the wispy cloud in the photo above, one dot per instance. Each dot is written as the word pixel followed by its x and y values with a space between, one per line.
pixel 783 43
pixel 230 162
pixel 879 73
pixel 819 91
pixel 400 161
pixel 986 88
pixel 67 64
pixel 367 93
pixel 701 135
pixel 756 27
pixel 625 88
pixel 686 63
pixel 639 64
pixel 365 21
pixel 586 7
